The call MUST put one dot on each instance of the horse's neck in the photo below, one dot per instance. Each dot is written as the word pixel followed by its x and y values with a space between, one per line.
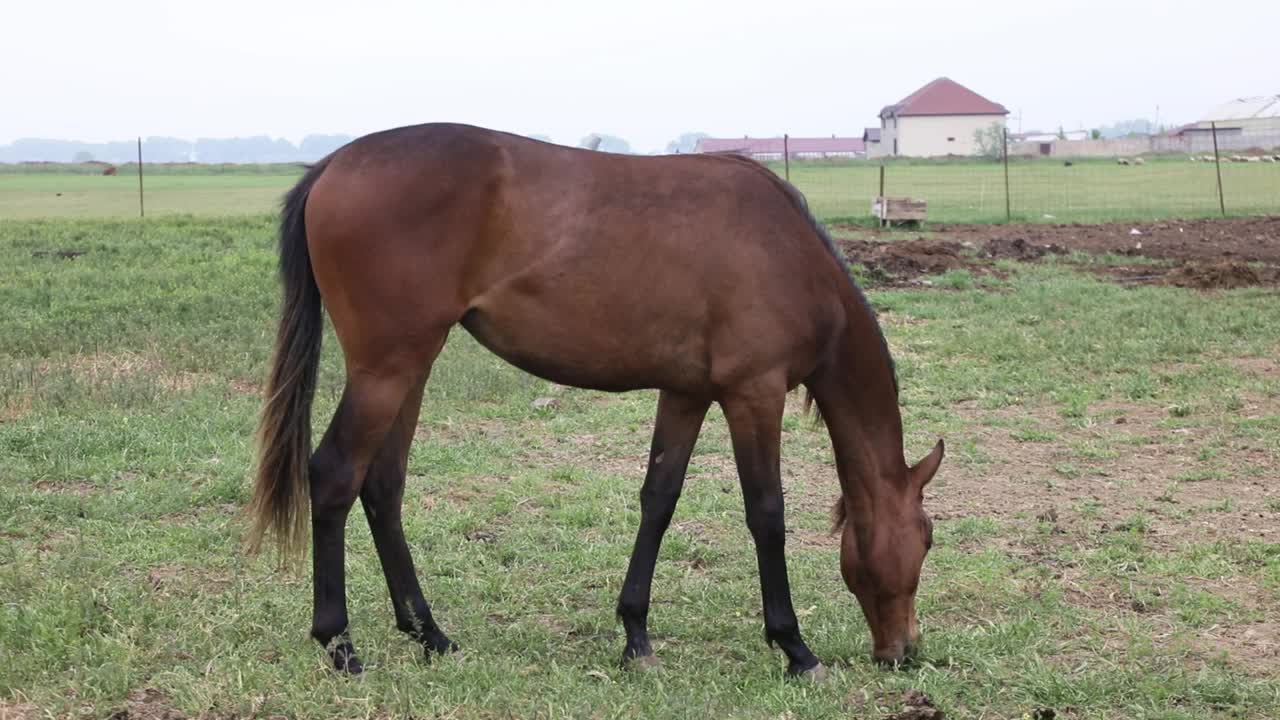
pixel 858 398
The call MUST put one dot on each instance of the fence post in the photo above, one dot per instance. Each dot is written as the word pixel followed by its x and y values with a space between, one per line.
pixel 786 156
pixel 142 210
pixel 1008 206
pixel 1217 164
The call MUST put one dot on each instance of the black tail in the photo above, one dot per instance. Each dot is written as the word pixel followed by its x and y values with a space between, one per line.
pixel 281 491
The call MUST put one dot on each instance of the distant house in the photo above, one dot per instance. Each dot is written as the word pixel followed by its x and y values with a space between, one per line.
pixel 1197 135
pixel 940 118
pixel 871 139
pixel 1043 137
pixel 1036 142
pixel 764 149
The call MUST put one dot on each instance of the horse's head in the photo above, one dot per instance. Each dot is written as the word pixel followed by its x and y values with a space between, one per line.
pixel 882 549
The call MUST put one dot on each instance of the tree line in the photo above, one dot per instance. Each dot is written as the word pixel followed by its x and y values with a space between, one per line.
pixel 257 149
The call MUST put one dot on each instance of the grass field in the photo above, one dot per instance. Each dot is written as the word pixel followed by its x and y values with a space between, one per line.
pixel 25 196
pixel 1087 191
pixel 1106 520
pixel 956 191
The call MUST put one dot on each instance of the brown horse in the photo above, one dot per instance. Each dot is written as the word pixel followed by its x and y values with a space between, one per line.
pixel 705 278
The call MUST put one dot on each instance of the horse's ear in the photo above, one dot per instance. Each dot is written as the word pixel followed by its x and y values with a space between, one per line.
pixel 924 470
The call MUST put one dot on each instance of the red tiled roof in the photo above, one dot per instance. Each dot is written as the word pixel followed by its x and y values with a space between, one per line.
pixel 943 96
pixel 774 145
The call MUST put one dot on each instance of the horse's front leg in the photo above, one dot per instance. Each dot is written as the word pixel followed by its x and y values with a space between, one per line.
pixel 674 434
pixel 754 412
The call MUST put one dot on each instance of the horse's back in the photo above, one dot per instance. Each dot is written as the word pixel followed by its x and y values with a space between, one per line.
pixel 588 268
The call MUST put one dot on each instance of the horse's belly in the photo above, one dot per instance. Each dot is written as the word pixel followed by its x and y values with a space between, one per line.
pixel 590 348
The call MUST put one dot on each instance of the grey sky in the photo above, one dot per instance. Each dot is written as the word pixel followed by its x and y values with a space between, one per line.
pixel 645 71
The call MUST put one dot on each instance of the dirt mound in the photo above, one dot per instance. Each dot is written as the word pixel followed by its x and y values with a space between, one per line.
pixel 1255 239
pixel 147 704
pixel 905 259
pixel 1224 275
pixel 1019 249
pixel 1201 254
pixel 917 706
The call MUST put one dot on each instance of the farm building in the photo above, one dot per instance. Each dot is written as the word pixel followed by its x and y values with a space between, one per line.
pixel 772 148
pixel 1036 142
pixel 871 139
pixel 1253 120
pixel 938 119
pixel 1043 137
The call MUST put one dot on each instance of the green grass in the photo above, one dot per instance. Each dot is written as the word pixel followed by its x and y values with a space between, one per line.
pixel 25 196
pixel 956 190
pixel 128 396
pixel 131 169
pixel 1088 191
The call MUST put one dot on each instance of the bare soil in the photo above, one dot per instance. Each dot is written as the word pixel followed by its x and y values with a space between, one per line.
pixel 147 704
pixel 1201 254
pixel 1055 500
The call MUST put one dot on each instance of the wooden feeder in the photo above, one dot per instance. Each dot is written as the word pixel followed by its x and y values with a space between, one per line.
pixel 889 210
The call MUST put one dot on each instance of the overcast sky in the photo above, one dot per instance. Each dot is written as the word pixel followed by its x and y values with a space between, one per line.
pixel 646 71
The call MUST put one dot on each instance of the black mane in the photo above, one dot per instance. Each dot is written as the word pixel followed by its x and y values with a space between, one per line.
pixel 797 198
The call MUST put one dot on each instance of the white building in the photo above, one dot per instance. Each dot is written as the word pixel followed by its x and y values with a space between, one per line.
pixel 940 118
pixel 1253 116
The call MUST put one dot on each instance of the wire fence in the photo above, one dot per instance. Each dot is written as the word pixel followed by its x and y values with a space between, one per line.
pixel 1195 175
pixel 1041 184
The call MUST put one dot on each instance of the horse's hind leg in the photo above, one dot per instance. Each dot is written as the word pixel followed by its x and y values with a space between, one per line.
pixel 370 404
pixel 381 497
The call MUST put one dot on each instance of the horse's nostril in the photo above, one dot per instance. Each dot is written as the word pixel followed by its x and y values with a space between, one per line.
pixel 891 656
pixel 890 662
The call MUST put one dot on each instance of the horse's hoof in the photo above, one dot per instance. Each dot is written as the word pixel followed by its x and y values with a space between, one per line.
pixel 815 674
pixel 642 663
pixel 345 661
pixel 440 646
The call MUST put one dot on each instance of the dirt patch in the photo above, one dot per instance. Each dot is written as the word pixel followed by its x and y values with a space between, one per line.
pixel 813 538
pixel 1200 254
pixel 1003 248
pixel 246 387
pixel 101 368
pixel 78 488
pixel 1124 465
pixel 905 259
pixel 1057 487
pixel 148 704
pixel 11 710
pixel 1257 366
pixel 1245 239
pixel 917 706
pixel 183 580
pixel 15 408
pixel 1249 646
pixel 1225 275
